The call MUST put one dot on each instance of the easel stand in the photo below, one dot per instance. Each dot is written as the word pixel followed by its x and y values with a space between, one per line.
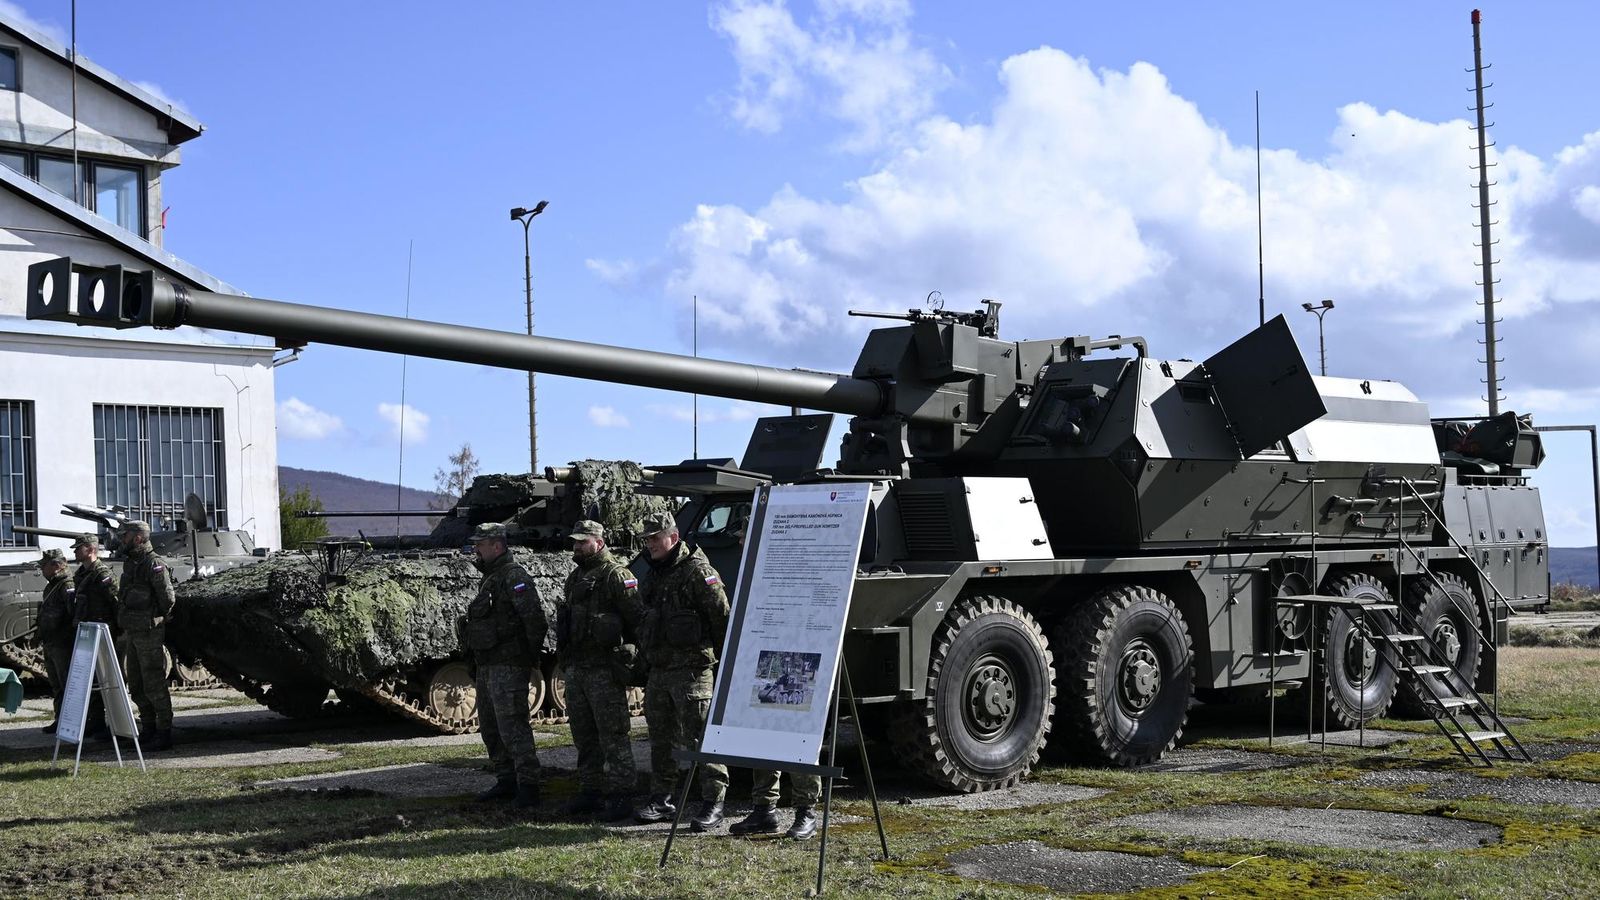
pixel 828 772
pixel 95 668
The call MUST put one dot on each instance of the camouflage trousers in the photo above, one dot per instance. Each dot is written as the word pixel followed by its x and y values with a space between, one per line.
pixel 676 702
pixel 57 663
pixel 145 662
pixel 597 709
pixel 503 722
pixel 807 789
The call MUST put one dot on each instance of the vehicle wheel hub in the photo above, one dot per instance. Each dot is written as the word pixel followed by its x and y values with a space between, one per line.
pixel 1361 656
pixel 991 695
pixel 1448 640
pixel 1140 677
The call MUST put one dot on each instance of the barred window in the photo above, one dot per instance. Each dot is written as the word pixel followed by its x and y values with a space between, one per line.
pixel 17 503
pixel 149 458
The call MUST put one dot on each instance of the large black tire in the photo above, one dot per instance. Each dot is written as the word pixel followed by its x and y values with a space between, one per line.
pixel 1443 608
pixel 1125 679
pixel 988 705
pixel 1356 680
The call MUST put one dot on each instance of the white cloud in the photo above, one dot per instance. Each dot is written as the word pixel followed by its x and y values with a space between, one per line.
pixel 718 411
pixel 49 29
pixel 855 59
pixel 413 420
pixel 298 419
pixel 607 417
pixel 160 94
pixel 1097 202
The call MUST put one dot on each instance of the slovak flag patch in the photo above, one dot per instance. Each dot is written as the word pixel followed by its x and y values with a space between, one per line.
pixel 158 567
pixel 712 579
pixel 106 580
pixel 630 582
pixel 520 586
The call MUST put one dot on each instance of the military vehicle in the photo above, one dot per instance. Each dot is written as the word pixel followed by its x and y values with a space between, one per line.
pixel 191 547
pixel 377 626
pixel 1066 543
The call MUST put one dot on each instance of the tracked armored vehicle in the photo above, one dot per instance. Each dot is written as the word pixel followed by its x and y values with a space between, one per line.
pixel 1068 542
pixel 190 548
pixel 379 627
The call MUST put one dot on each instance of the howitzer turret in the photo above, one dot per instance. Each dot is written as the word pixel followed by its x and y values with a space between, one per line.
pixel 1051 516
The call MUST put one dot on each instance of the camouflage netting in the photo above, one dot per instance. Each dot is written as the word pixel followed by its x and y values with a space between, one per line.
pixel 393 614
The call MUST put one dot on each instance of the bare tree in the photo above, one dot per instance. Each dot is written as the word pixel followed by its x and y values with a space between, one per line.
pixel 450 483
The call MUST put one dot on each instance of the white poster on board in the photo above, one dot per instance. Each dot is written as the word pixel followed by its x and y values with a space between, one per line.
pixel 787 624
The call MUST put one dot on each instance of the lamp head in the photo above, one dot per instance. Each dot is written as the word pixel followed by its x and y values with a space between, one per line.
pixel 518 212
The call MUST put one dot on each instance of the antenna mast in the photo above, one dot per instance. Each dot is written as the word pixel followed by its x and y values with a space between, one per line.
pixel 1261 264
pixel 1486 244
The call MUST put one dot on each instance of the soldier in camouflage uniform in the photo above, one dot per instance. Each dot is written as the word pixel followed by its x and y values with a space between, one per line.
pixel 686 618
pixel 144 600
pixel 96 591
pixel 56 611
pixel 596 637
pixel 502 634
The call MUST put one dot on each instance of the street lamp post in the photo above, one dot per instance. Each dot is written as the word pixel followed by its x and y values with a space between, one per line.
pixel 525 216
pixel 1321 310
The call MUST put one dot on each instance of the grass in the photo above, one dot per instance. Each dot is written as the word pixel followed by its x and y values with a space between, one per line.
pixel 212 833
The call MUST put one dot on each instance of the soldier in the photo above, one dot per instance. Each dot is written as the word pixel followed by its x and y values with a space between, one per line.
pixel 502 635
pixel 56 612
pixel 96 590
pixel 686 619
pixel 596 638
pixel 144 600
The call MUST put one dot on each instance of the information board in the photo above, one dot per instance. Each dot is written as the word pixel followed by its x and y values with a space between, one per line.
pixel 95 666
pixel 787 623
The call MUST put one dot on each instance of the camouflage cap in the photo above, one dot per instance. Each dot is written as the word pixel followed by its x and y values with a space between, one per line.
pixel 85 540
pixel 138 525
pixel 53 555
pixel 489 531
pixel 587 528
pixel 658 522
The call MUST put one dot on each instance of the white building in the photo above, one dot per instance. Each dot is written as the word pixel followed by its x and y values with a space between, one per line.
pixel 135 418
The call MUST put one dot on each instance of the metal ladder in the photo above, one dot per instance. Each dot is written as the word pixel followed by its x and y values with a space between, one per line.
pixel 1460 713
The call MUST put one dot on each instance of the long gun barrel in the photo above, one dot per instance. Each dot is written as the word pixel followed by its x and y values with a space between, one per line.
pixel 45 532
pixel 135 298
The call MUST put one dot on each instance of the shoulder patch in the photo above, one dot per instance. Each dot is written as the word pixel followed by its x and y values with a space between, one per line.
pixel 107 579
pixel 158 567
pixel 713 579
pixel 71 589
pixel 630 582
pixel 520 586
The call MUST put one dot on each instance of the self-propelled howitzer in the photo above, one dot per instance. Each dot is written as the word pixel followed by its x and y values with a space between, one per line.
pixel 1065 544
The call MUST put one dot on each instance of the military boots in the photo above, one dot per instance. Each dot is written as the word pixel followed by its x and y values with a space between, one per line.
pixel 659 809
pixel 707 817
pixel 762 820
pixel 160 739
pixel 805 824
pixel 504 789
pixel 585 803
pixel 617 808
pixel 527 794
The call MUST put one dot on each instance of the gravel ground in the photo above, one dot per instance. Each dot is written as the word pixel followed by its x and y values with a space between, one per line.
pixel 1516 789
pixel 1070 871
pixel 1221 762
pixel 1023 795
pixel 1348 828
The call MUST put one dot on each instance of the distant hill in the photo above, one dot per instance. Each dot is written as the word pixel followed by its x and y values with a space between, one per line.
pixel 1573 565
pixel 342 492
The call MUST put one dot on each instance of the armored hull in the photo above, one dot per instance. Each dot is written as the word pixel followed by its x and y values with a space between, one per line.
pixel 379 627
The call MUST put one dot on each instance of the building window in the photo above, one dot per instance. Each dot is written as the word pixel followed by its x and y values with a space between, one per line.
pixel 17 504
pixel 149 458
pixel 10 70
pixel 116 196
pixel 115 192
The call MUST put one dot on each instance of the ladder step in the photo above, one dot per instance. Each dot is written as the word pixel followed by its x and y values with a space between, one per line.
pixel 1478 737
pixel 1382 607
pixel 1430 669
pixel 1403 638
pixel 1455 702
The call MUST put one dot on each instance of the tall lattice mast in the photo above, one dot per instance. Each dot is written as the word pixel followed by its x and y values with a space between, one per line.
pixel 1486 243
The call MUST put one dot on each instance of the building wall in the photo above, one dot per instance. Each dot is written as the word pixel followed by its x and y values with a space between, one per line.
pixel 66 375
pixel 65 370
pixel 110 127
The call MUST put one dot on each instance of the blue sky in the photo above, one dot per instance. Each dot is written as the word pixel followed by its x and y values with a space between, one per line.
pixel 1089 164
